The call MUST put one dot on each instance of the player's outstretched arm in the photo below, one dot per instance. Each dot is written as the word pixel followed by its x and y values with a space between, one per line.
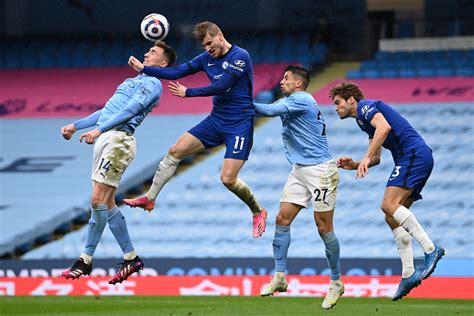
pixel 274 109
pixel 219 87
pixel 68 130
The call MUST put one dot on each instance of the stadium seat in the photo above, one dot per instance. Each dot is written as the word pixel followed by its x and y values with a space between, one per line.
pixel 195 205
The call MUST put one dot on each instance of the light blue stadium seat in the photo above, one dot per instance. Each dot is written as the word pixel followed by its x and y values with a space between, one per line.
pixel 445 72
pixel 372 73
pixel 464 71
pixel 390 73
pixel 354 74
pixel 197 217
pixel 426 72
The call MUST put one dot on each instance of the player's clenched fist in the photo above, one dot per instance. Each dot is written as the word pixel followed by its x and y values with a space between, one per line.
pixel 135 64
pixel 67 131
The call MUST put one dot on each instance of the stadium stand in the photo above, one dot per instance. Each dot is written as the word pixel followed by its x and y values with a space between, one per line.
pixel 82 53
pixel 65 166
pixel 419 58
pixel 194 206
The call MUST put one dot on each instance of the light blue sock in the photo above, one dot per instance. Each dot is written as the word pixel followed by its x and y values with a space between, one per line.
pixel 281 243
pixel 95 228
pixel 332 254
pixel 118 226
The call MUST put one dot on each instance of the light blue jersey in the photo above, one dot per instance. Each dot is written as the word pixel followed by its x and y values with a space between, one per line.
pixel 134 96
pixel 304 131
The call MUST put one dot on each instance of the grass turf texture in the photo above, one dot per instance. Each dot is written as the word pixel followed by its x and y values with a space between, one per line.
pixel 225 305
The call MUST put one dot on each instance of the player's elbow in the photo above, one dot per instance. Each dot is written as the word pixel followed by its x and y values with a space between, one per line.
pixel 386 129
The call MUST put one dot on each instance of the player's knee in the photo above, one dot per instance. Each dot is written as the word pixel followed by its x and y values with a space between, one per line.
pixel 282 220
pixel 228 181
pixel 100 199
pixel 389 207
pixel 174 150
pixel 323 228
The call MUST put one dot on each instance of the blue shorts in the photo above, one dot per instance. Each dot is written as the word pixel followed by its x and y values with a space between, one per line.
pixel 412 170
pixel 237 135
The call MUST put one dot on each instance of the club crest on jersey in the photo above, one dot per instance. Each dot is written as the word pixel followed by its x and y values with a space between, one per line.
pixel 225 64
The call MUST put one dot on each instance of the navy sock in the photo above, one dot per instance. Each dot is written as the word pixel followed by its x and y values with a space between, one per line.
pixel 118 226
pixel 96 228
pixel 281 243
pixel 332 254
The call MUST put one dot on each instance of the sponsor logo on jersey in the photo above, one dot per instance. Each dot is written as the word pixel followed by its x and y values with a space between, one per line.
pixel 239 63
pixel 364 109
pixel 236 68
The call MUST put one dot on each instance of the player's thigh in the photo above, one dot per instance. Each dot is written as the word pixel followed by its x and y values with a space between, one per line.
pixel 287 213
pixel 208 132
pixel 238 138
pixel 113 153
pixel 322 181
pixel 295 191
pixel 394 197
pixel 186 145
pixel 412 172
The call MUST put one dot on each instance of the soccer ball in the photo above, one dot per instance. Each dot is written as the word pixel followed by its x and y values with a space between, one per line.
pixel 154 27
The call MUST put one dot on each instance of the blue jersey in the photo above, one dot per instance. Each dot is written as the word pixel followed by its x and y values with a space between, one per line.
pixel 402 136
pixel 304 130
pixel 237 101
pixel 138 95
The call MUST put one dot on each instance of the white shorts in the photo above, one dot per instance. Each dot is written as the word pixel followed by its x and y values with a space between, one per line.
pixel 113 152
pixel 317 183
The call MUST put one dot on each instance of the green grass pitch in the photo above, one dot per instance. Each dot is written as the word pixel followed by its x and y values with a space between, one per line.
pixel 226 305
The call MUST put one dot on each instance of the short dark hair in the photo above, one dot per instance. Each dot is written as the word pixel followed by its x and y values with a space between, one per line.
pixel 301 72
pixel 346 90
pixel 203 28
pixel 168 51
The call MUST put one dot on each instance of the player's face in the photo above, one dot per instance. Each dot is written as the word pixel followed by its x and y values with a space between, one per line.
pixel 214 45
pixel 343 107
pixel 288 84
pixel 155 57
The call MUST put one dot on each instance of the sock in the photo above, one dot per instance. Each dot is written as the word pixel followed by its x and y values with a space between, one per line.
pixel 87 259
pixel 407 220
pixel 403 241
pixel 281 243
pixel 95 229
pixel 130 255
pixel 118 226
pixel 243 191
pixel 332 254
pixel 165 171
